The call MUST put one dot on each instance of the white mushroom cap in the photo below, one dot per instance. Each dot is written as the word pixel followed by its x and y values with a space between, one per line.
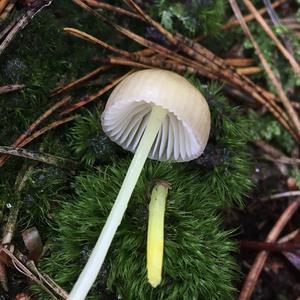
pixel 185 130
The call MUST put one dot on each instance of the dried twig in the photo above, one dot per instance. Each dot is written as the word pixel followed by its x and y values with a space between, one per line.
pixel 11 223
pixel 269 149
pixel 112 8
pixel 35 124
pixel 3 4
pixel 261 258
pixel 88 99
pixel 239 62
pixel 206 63
pixel 7 10
pixel 268 246
pixel 77 82
pixel 49 159
pixel 40 119
pixel 28 268
pixel 283 195
pixel 11 88
pixel 13 215
pixel 38 133
pixel 249 70
pixel 16 26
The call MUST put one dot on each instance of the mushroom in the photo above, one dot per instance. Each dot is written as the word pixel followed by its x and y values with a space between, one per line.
pixel 152 113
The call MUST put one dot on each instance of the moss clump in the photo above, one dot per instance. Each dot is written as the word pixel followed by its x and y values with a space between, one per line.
pixel 197 263
pixel 88 141
pixel 226 159
pixel 41 195
pixel 190 17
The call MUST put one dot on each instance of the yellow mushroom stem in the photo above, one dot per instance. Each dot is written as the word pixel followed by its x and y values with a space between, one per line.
pixel 155 239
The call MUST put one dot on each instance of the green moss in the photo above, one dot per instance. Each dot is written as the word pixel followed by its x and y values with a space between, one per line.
pixel 226 158
pixel 41 195
pixel 88 141
pixel 190 17
pixel 265 127
pixel 197 261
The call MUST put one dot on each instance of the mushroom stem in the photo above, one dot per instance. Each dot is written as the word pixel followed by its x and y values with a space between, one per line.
pixel 155 239
pixel 95 261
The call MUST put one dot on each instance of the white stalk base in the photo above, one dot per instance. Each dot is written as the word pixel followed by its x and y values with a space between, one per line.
pixel 93 266
pixel 155 238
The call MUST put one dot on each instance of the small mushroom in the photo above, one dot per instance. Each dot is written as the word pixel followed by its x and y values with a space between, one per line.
pixel 153 113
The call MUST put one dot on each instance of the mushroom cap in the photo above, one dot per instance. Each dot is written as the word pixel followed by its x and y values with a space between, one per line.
pixel 185 130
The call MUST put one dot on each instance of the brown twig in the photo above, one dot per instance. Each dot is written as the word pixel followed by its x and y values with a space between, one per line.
pixel 3 4
pixel 35 124
pixel 11 88
pixel 239 62
pixel 15 27
pixel 49 159
pixel 109 7
pixel 38 133
pixel 7 10
pixel 269 149
pixel 77 82
pixel 283 160
pixel 87 99
pixel 290 58
pixel 249 70
pixel 13 215
pixel 289 237
pixel 45 129
pixel 28 268
pixel 261 258
pixel 92 39
pixel 268 246
pixel 11 223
